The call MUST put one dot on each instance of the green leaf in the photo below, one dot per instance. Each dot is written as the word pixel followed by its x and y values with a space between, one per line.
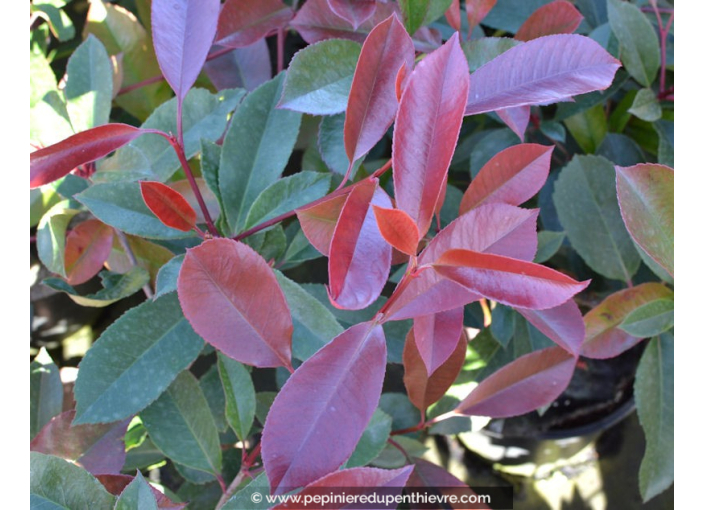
pixel 509 15
pixel 654 394
pixel 548 244
pixel 210 167
pixel 503 324
pixel 151 156
pixel 167 277
pixel 134 361
pixel 414 12
pixel 586 203
pixel 256 150
pixel 212 389
pixel 287 194
pixel 480 51
pixel 331 144
pixel 136 496
pixel 56 483
pixel 243 498
pixel 588 128
pixel 143 456
pixel 494 142
pixel 403 413
pixel 270 244
pixel 646 106
pixel 666 144
pixel 116 286
pixel 650 319
pixel 392 458
pixel 89 83
pixel 640 51
pixel 372 441
pixel 436 10
pixel 239 395
pixel 43 79
pixel 46 393
pixel 51 235
pixel 320 76
pixel 59 22
pixel 180 424
pixel 120 204
pixel 299 249
pixel 313 324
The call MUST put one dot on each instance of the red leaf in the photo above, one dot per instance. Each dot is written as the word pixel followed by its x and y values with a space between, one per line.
pixel 436 336
pixel 231 298
pixel 99 448
pixel 183 31
pixel 372 104
pixel 509 281
pixel 423 390
pixel 53 162
pixel 453 15
pixel 355 12
pixel 318 221
pixel 211 201
pixel 516 119
pixel 477 11
pixel 543 71
pixel 360 259
pixel 427 126
pixel 603 338
pixel 168 205
pixel 511 177
pixel 115 484
pixel 88 246
pixel 398 229
pixel 530 382
pixel 563 325
pixel 365 480
pixel 244 22
pixel 321 412
pixel 558 17
pixel 493 228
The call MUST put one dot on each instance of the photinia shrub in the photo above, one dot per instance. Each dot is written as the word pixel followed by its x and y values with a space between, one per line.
pixel 466 220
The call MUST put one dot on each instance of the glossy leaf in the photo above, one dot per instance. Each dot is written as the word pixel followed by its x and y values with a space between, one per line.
pixel 426 130
pixel 168 205
pixel 88 246
pixel 135 360
pixel 516 118
pixel 331 145
pixel 115 286
pixel 243 22
pixel 586 203
pixel 588 127
pixel 183 187
pixel 98 448
pixel 359 480
pixel 239 395
pixel 56 483
pixel 51 235
pixel 225 287
pixel 558 17
pixel 183 31
pixel 646 195
pixel 655 396
pixel 55 161
pixel 341 384
pixel 563 325
pixel 246 67
pixel 604 338
pixel 548 245
pixel 650 319
pixel 137 496
pixel 398 229
pixel 424 390
pixel 355 12
pixel 149 255
pixel 511 177
pixel 436 336
pixel 646 106
pixel 360 258
pixel 637 40
pixel 256 150
pixel 561 66
pixel 116 484
pixel 318 221
pixel 477 11
pixel 319 77
pixel 480 51
pixel 532 381
pixel 372 100
pixel 46 392
pixel 180 424
pixel 243 498
pixel 512 282
pixel 372 441
pixel 414 12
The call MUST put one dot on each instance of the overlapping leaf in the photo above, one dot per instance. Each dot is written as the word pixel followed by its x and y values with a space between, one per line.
pixel 398 229
pixel 558 17
pixel 168 205
pixel 563 325
pixel 46 392
pixel 243 22
pixel 88 246
pixel 516 118
pixel 637 40
pixel 436 336
pixel 137 495
pixel 355 12
pixel 477 11
pixel 318 220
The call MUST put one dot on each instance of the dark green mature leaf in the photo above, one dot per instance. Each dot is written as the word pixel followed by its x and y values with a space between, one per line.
pixel 585 198
pixel 509 15
pixel 46 393
pixel 320 76
pixel 588 128
pixel 640 51
pixel 135 360
pixel 239 394
pixel 180 424
pixel 143 456
pixel 414 12
pixel 56 483
pixel 313 324
pixel 548 244
pixel 115 287
pixel 51 235
pixel 168 276
pixel 650 319
pixel 243 498
pixel 287 194
pixel 480 51
pixel 666 145
pixel 136 496
pixel 212 389
pixel 331 145
pixel 152 157
pixel 89 83
pixel 256 149
pixel 120 205
pixel 372 441
pixel 654 393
